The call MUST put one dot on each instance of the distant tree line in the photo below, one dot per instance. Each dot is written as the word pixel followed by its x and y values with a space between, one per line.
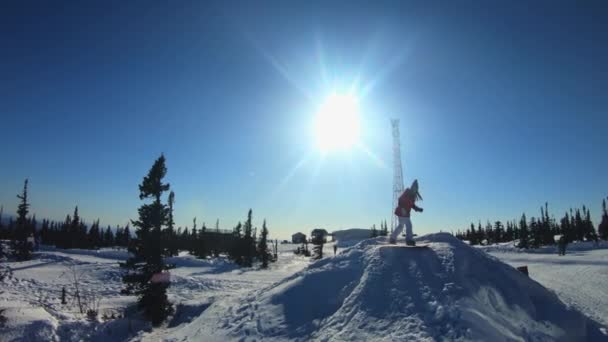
pixel 575 225
pixel 383 231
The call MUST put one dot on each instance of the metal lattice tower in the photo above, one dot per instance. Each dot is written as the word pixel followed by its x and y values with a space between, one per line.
pixel 397 171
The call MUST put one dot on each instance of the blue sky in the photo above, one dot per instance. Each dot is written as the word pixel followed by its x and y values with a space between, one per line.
pixel 502 105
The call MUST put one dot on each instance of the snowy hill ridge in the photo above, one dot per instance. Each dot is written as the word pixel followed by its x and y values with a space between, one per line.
pixel 350 237
pixel 375 291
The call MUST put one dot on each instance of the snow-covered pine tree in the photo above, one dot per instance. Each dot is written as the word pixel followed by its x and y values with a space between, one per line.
pixel 22 248
pixel 263 252
pixel 147 257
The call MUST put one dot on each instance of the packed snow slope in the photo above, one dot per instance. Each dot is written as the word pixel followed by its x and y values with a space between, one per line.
pixel 375 291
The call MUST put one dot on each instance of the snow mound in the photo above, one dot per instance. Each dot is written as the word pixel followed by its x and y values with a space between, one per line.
pixel 27 323
pixel 350 237
pixel 375 291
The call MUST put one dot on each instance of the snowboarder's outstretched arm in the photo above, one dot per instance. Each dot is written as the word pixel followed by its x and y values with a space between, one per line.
pixel 417 208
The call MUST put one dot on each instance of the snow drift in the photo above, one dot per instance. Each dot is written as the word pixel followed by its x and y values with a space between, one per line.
pixel 350 237
pixel 375 291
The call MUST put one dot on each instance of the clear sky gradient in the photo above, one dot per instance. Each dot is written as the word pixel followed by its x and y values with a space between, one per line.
pixel 503 106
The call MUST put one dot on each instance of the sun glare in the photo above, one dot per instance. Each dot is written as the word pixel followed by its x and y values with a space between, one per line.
pixel 337 123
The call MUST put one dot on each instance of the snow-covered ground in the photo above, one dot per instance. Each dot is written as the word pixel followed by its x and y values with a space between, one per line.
pixel 376 291
pixel 31 292
pixel 372 291
pixel 580 278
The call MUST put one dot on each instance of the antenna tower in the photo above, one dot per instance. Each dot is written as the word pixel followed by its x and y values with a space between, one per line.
pixel 397 171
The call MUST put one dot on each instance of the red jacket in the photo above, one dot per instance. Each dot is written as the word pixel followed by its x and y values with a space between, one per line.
pixel 406 204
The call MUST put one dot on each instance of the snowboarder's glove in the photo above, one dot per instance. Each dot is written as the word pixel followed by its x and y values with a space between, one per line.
pixel 420 210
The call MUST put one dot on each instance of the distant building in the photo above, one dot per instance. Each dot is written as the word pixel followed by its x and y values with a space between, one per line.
pixel 298 238
pixel 319 234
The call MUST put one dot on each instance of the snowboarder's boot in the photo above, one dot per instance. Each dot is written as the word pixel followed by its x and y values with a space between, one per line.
pixel 410 243
pixel 392 241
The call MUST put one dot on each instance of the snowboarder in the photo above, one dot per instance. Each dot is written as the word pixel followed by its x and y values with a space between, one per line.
pixel 407 202
pixel 335 249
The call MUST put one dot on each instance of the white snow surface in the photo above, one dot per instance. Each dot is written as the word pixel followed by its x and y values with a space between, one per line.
pixel 374 291
pixel 580 278
pixel 30 293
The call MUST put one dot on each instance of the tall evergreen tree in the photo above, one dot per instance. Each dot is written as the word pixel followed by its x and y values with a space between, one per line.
pixel 2 233
pixel 236 250
pixel 192 240
pixel 603 227
pixel 147 260
pixel 579 227
pixel 108 237
pixel 74 230
pixel 263 252
pixel 248 242
pixel 127 236
pixel 523 232
pixel 93 235
pixel 170 237
pixel 22 248
pixel 201 250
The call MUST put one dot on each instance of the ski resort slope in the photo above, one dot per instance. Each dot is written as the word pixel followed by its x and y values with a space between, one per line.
pixel 380 292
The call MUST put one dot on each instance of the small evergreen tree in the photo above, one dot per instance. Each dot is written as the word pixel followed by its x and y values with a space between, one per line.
pixel 63 296
pixel 383 229
pixel 147 250
pixel 263 252
pixel 22 248
pixel 374 232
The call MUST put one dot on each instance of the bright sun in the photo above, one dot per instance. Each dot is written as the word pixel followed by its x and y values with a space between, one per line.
pixel 337 123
